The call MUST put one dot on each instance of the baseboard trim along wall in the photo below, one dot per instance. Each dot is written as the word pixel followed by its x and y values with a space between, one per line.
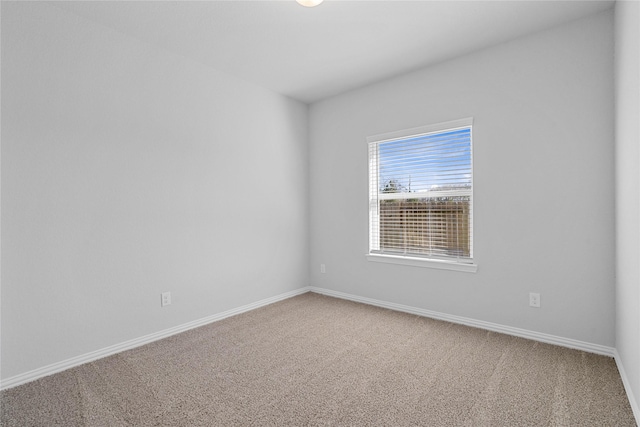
pixel 137 342
pixel 627 387
pixel 523 333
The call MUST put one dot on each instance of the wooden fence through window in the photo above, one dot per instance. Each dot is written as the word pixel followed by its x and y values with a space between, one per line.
pixel 426 226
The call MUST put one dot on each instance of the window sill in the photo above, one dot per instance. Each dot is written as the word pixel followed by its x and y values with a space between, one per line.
pixel 421 262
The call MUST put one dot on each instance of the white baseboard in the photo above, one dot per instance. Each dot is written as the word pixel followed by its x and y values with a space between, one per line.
pixel 137 342
pixel 509 330
pixel 117 348
pixel 627 387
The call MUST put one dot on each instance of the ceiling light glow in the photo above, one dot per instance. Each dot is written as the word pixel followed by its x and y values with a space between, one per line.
pixel 309 3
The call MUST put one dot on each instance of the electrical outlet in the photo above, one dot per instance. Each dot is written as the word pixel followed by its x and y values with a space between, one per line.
pixel 166 298
pixel 323 269
pixel 534 299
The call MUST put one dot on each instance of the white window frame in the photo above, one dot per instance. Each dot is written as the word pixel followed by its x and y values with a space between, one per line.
pixel 460 264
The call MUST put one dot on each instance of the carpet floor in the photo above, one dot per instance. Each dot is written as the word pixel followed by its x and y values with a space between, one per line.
pixel 314 360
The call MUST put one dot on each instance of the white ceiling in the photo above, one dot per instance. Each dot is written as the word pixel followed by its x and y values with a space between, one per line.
pixel 313 53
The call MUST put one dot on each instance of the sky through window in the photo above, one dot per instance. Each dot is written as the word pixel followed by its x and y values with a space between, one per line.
pixel 427 162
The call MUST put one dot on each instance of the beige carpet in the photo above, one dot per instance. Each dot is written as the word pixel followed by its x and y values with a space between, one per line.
pixel 315 360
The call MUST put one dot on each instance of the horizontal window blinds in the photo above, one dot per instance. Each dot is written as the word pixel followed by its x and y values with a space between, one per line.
pixel 420 188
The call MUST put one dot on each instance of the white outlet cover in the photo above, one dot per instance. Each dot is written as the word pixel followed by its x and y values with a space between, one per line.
pixel 166 298
pixel 534 299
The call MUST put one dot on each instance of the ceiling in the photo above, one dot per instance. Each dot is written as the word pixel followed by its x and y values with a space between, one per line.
pixel 314 53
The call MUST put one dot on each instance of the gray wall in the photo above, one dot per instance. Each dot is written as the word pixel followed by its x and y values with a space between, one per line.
pixel 627 127
pixel 543 176
pixel 126 172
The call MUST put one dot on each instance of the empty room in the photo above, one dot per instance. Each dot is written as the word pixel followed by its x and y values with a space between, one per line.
pixel 300 213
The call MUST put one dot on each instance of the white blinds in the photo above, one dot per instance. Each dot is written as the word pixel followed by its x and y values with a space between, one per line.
pixel 420 191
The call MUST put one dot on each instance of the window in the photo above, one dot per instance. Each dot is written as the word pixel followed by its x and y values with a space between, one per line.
pixel 421 196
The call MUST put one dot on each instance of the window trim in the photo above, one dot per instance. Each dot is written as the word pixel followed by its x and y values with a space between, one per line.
pixel 466 264
pixel 423 262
